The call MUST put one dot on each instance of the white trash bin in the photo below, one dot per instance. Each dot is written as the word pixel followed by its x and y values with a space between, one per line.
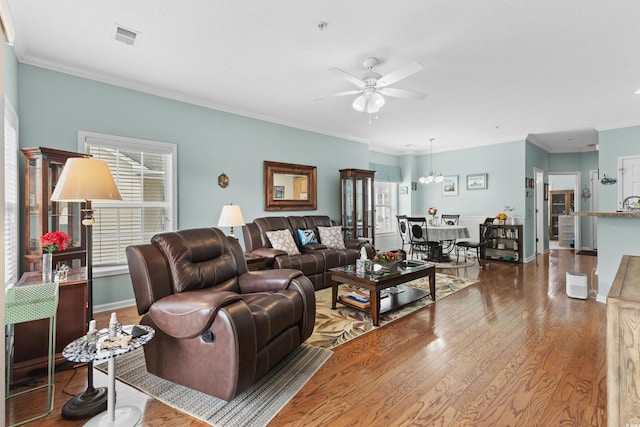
pixel 577 285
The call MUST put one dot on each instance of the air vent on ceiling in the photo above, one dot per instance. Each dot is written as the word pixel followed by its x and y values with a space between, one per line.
pixel 125 36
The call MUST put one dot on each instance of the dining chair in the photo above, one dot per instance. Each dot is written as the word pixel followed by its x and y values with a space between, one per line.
pixel 449 219
pixel 418 240
pixel 478 247
pixel 402 229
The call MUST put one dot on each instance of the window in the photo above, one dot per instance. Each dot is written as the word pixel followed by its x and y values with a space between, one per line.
pixel 145 173
pixel 10 195
pixel 386 197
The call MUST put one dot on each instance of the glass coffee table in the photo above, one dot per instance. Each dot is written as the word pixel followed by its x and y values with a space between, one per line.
pixel 375 283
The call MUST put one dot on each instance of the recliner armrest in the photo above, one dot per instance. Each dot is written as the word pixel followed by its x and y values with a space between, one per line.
pixel 188 314
pixel 313 248
pixel 267 280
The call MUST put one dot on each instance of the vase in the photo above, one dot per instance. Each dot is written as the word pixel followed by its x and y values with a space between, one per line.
pixel 47 266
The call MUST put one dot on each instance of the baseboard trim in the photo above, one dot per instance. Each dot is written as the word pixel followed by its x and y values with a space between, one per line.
pixel 114 305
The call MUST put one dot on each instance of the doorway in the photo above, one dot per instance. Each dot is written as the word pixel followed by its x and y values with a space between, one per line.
pixel 563 227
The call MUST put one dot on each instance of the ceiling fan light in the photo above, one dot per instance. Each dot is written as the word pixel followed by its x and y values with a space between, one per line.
pixel 438 177
pixel 430 178
pixel 372 108
pixel 360 103
pixel 378 100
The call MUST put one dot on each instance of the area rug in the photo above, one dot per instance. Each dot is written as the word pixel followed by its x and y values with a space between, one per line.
pixel 255 407
pixel 335 327
pixel 453 264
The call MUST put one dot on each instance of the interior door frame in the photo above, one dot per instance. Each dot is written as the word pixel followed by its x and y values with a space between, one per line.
pixel 577 206
pixel 539 228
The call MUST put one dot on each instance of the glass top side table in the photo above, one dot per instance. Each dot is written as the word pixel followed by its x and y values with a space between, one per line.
pixel 79 351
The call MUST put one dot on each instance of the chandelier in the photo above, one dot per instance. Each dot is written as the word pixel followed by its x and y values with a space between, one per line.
pixel 432 177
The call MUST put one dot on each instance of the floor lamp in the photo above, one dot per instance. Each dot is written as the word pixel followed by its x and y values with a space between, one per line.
pixel 86 180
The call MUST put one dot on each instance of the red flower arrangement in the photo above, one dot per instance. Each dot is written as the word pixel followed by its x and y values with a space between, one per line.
pixel 55 241
pixel 387 257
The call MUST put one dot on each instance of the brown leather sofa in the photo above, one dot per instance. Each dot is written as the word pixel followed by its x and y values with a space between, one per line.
pixel 219 327
pixel 314 260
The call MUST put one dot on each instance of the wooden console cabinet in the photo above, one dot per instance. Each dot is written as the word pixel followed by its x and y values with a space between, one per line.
pixel 623 345
pixel 31 338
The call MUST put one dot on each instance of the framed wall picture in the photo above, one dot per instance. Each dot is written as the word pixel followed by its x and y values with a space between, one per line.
pixel 477 181
pixel 278 191
pixel 450 185
pixel 404 190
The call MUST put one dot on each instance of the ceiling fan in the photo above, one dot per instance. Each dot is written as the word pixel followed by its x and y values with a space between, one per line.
pixel 372 86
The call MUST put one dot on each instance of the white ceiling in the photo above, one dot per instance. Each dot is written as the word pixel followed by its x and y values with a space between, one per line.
pixel 494 70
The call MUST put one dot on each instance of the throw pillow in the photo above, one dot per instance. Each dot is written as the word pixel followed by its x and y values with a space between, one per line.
pixel 331 237
pixel 283 240
pixel 307 237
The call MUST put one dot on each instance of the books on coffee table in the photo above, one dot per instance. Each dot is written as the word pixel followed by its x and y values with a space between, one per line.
pixel 356 299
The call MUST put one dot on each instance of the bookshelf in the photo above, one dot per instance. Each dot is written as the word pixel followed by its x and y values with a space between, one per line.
pixel 504 243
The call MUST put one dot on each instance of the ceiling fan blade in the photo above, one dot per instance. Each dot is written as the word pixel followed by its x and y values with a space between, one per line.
pixel 399 74
pixel 335 95
pixel 348 77
pixel 402 93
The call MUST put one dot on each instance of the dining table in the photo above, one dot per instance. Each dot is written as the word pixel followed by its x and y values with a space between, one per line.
pixel 446 235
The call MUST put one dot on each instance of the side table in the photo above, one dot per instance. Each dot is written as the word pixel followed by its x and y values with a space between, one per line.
pixel 79 351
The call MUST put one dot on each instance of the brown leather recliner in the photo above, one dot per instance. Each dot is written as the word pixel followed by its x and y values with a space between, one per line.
pixel 219 327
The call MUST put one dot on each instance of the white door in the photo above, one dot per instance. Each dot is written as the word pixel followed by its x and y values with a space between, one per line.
pixel 628 178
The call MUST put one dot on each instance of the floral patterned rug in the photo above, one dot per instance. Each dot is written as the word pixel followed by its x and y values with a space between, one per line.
pixel 335 327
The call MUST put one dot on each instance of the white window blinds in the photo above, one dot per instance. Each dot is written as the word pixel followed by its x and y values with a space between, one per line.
pixel 144 172
pixel 11 252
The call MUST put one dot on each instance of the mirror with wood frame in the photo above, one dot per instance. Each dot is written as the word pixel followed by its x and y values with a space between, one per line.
pixel 289 187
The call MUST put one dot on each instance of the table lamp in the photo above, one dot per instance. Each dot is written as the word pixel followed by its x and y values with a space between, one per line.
pixel 231 216
pixel 86 180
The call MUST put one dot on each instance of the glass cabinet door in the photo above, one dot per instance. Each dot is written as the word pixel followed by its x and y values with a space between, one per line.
pixel 43 168
pixel 356 204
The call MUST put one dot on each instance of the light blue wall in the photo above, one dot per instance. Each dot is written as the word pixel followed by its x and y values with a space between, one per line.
pixel 54 106
pixel 536 158
pixel 504 164
pixel 616 236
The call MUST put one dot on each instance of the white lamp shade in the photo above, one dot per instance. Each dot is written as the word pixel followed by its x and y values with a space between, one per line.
pixel 231 216
pixel 85 179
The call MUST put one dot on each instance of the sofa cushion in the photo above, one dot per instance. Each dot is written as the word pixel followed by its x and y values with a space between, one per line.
pixel 331 237
pixel 307 237
pixel 283 240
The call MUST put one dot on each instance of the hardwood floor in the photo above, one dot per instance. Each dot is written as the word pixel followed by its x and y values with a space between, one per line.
pixel 512 350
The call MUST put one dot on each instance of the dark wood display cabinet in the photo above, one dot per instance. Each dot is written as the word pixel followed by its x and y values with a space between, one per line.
pixel 42 170
pixel 504 243
pixel 357 212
